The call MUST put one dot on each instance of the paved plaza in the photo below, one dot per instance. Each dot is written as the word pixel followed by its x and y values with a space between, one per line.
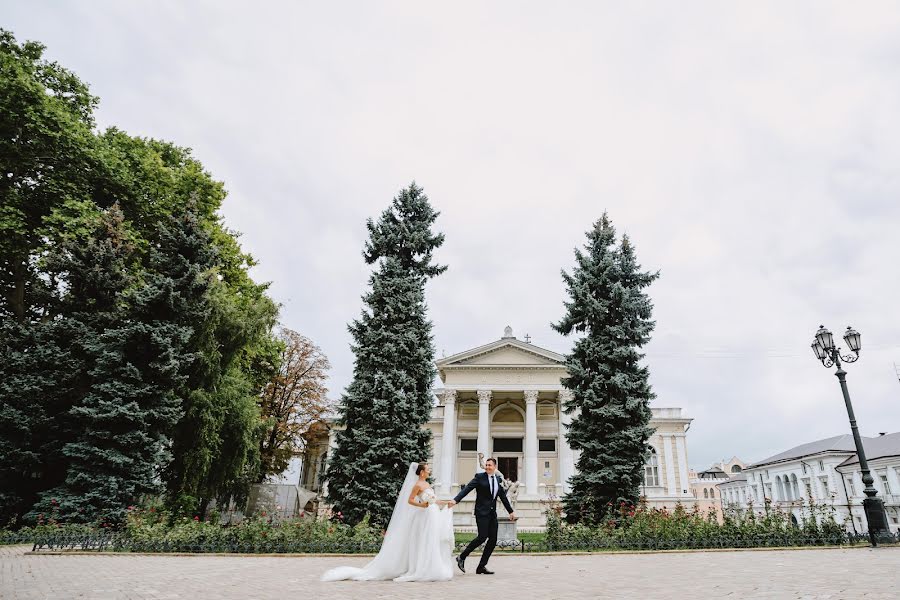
pixel 847 573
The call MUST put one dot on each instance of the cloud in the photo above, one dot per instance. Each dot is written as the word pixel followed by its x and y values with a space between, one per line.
pixel 750 152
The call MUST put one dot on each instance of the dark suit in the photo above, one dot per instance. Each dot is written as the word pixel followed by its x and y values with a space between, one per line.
pixel 485 513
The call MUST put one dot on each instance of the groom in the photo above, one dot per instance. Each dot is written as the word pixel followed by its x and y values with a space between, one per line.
pixel 488 487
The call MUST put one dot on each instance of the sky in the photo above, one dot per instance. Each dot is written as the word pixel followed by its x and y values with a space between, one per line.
pixel 750 150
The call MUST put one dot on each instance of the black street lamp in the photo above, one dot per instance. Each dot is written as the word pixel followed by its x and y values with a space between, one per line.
pixel 830 355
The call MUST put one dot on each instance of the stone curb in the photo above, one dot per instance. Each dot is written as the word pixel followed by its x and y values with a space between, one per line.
pixel 506 553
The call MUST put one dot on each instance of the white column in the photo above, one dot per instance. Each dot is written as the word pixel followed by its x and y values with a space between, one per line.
pixel 438 459
pixel 566 457
pixel 670 462
pixel 531 444
pixel 484 423
pixel 332 447
pixel 681 447
pixel 448 452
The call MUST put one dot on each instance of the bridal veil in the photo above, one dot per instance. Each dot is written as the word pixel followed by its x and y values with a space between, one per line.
pixel 393 558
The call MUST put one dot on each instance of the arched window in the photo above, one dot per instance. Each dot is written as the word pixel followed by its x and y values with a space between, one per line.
pixel 736 468
pixel 705 493
pixel 795 487
pixel 651 468
pixel 779 489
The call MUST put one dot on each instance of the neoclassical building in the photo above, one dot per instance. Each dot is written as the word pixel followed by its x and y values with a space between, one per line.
pixel 503 400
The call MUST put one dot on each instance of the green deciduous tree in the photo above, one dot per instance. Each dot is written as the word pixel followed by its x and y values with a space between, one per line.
pixel 48 158
pixel 131 353
pixel 389 400
pixel 611 313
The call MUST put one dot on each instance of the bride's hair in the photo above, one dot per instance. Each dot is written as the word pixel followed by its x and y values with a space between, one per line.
pixel 421 468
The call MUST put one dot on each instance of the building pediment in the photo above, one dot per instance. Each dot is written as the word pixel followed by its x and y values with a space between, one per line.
pixel 505 352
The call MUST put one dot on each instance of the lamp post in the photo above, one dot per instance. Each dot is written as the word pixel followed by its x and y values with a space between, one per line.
pixel 830 355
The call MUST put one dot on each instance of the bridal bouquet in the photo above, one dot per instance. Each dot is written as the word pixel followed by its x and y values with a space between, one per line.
pixel 428 497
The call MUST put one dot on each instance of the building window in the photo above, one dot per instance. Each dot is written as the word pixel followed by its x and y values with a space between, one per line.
pixel 803 466
pixel 821 465
pixel 705 493
pixel 651 468
pixel 824 482
pixel 736 468
pixel 884 483
pixel 767 473
pixel 548 445
pixel 468 444
pixel 850 487
pixel 507 445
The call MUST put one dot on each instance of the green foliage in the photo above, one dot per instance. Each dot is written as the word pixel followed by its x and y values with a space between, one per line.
pixel 611 394
pixel 147 529
pixel 389 399
pixel 133 342
pixel 49 158
pixel 133 348
pixel 634 527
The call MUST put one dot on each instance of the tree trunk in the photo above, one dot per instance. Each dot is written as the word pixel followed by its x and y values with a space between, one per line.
pixel 204 506
pixel 17 294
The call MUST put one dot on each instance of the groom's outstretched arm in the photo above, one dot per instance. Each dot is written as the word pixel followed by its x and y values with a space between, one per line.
pixel 502 493
pixel 465 491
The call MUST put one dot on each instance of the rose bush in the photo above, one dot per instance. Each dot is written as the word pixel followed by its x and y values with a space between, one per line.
pixel 627 526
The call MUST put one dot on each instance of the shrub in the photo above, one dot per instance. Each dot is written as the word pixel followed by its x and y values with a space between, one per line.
pixel 640 526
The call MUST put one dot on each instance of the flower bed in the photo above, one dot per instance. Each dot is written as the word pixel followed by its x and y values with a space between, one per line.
pixel 626 528
pixel 640 527
pixel 154 531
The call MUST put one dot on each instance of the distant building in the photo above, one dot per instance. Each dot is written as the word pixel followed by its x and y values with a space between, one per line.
pixel 826 472
pixel 705 484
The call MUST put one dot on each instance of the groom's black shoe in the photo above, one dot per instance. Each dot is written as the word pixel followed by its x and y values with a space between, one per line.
pixel 461 563
pixel 483 571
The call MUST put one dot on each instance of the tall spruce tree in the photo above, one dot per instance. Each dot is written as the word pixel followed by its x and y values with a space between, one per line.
pixel 134 352
pixel 389 400
pixel 610 311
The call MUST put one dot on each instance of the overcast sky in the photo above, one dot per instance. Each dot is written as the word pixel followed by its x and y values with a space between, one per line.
pixel 751 152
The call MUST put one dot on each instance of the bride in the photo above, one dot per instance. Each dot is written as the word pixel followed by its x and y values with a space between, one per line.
pixel 419 541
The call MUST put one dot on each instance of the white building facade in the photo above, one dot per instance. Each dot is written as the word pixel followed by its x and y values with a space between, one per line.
pixel 825 472
pixel 503 400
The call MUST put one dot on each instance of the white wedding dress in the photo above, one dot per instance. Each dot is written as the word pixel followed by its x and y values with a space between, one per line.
pixel 418 545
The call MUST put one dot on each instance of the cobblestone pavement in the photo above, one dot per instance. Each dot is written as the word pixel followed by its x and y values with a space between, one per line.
pixel 833 574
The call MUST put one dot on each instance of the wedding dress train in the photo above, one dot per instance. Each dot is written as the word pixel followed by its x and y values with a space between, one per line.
pixel 418 545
